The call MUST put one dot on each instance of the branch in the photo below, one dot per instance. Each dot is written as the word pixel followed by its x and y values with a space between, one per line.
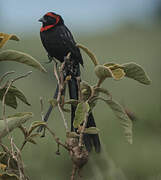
pixel 56 138
pixel 82 130
pixel 61 87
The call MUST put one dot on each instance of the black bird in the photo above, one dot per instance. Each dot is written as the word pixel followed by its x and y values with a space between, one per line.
pixel 58 42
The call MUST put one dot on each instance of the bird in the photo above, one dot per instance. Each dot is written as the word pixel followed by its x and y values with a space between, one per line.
pixel 58 41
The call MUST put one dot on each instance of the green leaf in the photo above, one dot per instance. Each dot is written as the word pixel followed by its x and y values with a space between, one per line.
pixel 120 113
pixel 14 122
pixel 97 91
pixel 8 176
pixel 6 158
pixel 93 102
pixel 66 110
pixel 29 139
pixel 80 113
pixel 91 130
pixel 5 37
pixel 12 55
pixel 89 53
pixel 136 72
pixel 36 124
pixel 117 70
pixel 11 96
pixel 86 90
pixel 10 99
pixel 102 72
pixel 102 90
pixel 16 92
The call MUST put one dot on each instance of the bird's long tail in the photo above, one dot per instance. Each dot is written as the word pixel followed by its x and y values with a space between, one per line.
pixel 90 140
pixel 46 117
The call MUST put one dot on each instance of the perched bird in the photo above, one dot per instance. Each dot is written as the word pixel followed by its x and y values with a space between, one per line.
pixel 58 42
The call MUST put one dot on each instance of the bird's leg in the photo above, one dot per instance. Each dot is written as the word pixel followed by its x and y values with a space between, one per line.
pixel 63 96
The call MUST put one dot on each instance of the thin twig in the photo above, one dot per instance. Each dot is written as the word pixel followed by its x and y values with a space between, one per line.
pixel 17 157
pixel 24 143
pixel 22 76
pixel 6 74
pixel 60 85
pixel 4 85
pixel 82 130
pixel 74 170
pixel 56 138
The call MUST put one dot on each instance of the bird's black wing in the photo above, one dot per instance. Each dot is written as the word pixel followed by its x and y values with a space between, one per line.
pixel 68 42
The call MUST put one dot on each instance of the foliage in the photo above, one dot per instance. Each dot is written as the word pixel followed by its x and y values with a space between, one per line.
pixel 89 95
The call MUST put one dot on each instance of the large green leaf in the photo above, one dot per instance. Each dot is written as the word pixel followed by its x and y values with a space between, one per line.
pixel 98 90
pixel 14 122
pixel 11 96
pixel 89 53
pixel 102 72
pixel 12 55
pixel 120 113
pixel 135 71
pixel 80 113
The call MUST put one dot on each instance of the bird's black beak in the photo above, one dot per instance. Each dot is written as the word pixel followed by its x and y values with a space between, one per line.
pixel 42 20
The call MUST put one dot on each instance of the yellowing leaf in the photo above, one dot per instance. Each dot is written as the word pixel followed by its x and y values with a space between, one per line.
pixel 5 37
pixel 20 57
pixel 135 71
pixel 117 70
pixel 118 74
pixel 80 113
pixel 1 38
pixel 2 166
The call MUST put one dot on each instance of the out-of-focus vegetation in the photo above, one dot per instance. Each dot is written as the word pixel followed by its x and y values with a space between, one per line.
pixel 139 161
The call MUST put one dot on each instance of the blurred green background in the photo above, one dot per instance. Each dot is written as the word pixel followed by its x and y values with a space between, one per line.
pixel 129 39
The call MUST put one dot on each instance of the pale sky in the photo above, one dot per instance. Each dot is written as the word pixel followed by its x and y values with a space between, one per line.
pixel 20 15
